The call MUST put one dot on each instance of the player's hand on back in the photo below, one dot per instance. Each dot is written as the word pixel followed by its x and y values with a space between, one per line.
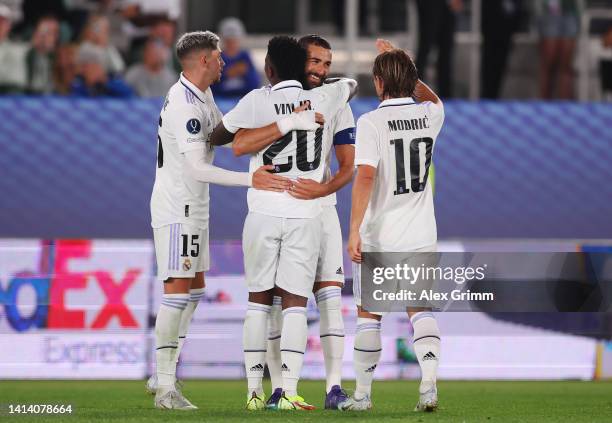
pixel 308 120
pixel 301 119
pixel 384 45
pixel 308 189
pixel 319 118
pixel 265 180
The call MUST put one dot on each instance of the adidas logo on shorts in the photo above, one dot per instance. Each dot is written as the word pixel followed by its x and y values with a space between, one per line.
pixel 430 356
pixel 339 271
pixel 257 368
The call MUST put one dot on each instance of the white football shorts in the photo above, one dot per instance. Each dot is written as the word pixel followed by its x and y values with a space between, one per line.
pixel 181 251
pixel 357 272
pixel 330 263
pixel 281 251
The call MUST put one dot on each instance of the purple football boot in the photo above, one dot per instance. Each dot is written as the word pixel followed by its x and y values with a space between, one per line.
pixel 272 403
pixel 335 396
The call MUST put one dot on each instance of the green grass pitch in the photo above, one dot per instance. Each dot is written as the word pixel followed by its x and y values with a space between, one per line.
pixel 223 401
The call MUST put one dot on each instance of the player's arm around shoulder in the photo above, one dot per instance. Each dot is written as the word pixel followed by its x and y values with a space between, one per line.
pixel 344 148
pixel 426 96
pixel 344 88
pixel 252 141
pixel 241 116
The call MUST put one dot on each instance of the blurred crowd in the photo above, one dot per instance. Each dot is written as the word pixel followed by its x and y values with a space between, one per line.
pixel 124 48
pixel 110 48
pixel 557 23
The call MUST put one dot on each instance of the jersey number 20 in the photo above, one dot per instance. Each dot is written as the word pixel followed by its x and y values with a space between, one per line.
pixel 301 154
pixel 415 165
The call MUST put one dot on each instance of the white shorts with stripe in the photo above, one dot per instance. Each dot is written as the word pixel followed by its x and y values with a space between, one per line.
pixel 281 252
pixel 357 271
pixel 330 266
pixel 181 251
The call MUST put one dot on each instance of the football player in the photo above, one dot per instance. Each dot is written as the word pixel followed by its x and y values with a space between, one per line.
pixel 180 202
pixel 282 233
pixel 392 208
pixel 329 277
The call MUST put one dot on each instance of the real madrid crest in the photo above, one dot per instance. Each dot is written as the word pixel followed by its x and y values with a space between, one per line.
pixel 187 264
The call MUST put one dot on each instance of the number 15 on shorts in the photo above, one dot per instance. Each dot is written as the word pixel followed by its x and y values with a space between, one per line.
pixel 191 245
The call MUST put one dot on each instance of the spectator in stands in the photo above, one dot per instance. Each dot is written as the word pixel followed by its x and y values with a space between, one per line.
pixel 437 28
pixel 558 23
pixel 500 20
pixel 96 34
pixel 605 65
pixel 13 71
pixel 239 75
pixel 121 30
pixel 65 68
pixel 146 12
pixel 164 30
pixel 152 77
pixel 16 8
pixel 40 57
pixel 93 80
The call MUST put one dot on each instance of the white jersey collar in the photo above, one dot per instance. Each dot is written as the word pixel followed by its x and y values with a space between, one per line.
pixel 198 93
pixel 404 101
pixel 287 84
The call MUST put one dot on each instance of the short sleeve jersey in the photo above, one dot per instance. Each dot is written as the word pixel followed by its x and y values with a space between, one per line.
pixel 186 121
pixel 398 140
pixel 299 154
pixel 342 132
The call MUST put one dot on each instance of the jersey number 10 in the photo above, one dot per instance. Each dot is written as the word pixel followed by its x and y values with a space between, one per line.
pixel 301 152
pixel 415 164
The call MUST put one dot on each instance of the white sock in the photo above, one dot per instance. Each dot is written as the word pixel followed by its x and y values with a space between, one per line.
pixel 293 344
pixel 367 354
pixel 254 345
pixel 194 299
pixel 426 343
pixel 273 355
pixel 166 336
pixel 331 330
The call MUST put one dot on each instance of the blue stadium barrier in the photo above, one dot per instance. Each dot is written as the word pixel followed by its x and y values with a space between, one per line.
pixel 81 168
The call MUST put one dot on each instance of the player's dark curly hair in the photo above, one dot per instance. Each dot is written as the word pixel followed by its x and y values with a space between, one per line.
pixel 398 73
pixel 287 58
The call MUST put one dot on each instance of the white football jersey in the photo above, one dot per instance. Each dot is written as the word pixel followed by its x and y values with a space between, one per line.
pixel 186 121
pixel 341 131
pixel 398 140
pixel 299 154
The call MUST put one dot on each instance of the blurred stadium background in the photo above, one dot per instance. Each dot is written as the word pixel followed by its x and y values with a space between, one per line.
pixel 519 167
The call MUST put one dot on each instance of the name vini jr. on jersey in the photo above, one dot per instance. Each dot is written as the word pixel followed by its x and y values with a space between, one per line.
pixel 288 108
pixel 408 124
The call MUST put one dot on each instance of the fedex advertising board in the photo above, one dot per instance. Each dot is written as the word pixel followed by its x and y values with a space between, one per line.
pixel 74 308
